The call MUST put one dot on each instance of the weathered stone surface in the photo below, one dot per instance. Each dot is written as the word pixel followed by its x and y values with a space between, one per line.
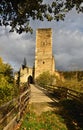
pixel 24 74
pixel 44 60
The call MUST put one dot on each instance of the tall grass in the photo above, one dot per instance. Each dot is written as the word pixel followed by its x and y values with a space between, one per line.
pixel 45 121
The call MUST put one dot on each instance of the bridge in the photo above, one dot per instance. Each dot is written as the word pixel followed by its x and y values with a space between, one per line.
pixel 40 99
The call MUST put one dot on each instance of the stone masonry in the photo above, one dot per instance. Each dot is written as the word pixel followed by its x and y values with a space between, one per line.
pixel 44 60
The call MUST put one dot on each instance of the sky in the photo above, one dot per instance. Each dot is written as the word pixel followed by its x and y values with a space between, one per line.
pixel 67 41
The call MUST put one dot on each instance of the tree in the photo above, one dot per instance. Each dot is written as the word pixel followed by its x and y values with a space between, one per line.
pixel 24 63
pixel 6 71
pixel 6 82
pixel 18 13
pixel 45 79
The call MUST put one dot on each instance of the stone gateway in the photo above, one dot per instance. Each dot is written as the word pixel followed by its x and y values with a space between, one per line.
pixel 44 59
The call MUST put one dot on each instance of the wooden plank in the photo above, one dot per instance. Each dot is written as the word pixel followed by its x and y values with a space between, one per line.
pixel 8 114
pixel 11 125
pixel 17 104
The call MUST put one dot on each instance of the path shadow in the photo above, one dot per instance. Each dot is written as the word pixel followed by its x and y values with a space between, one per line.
pixel 69 109
pixel 72 112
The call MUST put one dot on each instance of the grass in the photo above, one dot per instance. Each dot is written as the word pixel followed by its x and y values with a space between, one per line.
pixel 67 116
pixel 72 112
pixel 46 121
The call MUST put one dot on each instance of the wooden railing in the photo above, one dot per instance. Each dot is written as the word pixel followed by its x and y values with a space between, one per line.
pixel 12 112
pixel 63 92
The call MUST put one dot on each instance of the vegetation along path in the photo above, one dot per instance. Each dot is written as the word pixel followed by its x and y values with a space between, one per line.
pixel 42 112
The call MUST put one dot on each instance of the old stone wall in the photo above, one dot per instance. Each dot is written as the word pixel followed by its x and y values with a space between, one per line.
pixel 44 60
pixel 24 74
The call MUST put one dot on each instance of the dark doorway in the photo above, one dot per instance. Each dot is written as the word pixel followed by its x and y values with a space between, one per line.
pixel 30 80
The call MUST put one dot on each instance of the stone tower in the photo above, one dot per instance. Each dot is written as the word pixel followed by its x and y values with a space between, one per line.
pixel 44 60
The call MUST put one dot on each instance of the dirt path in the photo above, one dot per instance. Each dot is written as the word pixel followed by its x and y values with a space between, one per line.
pixel 39 101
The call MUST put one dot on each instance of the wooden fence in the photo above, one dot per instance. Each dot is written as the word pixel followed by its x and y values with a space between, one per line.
pixel 12 112
pixel 63 92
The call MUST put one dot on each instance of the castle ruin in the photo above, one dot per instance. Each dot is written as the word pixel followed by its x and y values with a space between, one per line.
pixel 44 60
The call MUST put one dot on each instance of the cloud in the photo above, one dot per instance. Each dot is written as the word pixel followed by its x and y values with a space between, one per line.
pixel 68 49
pixel 67 43
pixel 14 48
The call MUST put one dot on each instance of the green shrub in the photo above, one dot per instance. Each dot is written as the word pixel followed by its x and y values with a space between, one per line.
pixel 6 82
pixel 46 121
pixel 45 79
pixel 6 92
pixel 72 83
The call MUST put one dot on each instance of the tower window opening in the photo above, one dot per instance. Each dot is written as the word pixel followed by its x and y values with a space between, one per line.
pixel 43 62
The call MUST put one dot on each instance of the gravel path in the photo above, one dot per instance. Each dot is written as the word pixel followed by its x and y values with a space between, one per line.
pixel 39 101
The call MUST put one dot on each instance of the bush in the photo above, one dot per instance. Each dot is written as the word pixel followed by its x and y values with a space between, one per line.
pixel 72 83
pixel 45 79
pixel 7 89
